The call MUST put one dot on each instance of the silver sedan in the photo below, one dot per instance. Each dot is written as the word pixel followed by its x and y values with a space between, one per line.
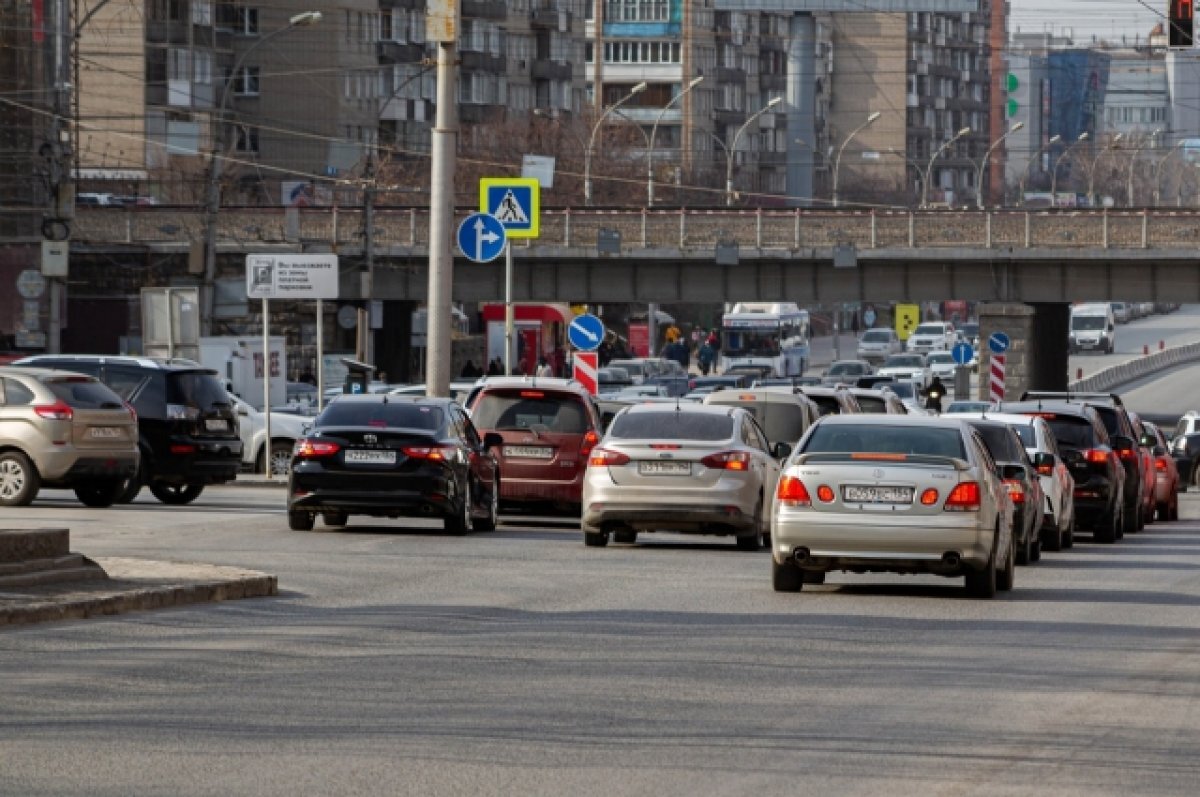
pixel 892 493
pixel 679 466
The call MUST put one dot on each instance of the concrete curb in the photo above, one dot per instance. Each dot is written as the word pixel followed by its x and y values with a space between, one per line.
pixel 133 585
pixel 1130 370
pixel 246 480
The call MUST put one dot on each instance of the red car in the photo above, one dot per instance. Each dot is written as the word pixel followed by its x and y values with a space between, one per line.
pixel 549 426
pixel 1166 474
pixel 1149 505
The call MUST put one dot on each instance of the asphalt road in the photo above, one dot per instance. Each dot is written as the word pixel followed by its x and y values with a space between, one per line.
pixel 399 660
pixel 1170 329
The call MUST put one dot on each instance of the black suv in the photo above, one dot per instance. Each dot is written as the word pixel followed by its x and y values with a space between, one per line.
pixel 1093 457
pixel 187 430
pixel 1120 426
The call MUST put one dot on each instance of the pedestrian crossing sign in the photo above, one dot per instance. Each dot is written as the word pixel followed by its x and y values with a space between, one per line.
pixel 515 202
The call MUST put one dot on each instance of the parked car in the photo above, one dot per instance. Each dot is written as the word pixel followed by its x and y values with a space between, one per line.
pixel 1166 475
pixel 907 368
pixel 846 372
pixel 547 432
pixel 1021 479
pixel 1092 455
pixel 886 493
pixel 286 429
pixel 879 343
pixel 931 336
pixel 1149 479
pixel 187 430
pixel 394 456
pixel 691 468
pixel 66 431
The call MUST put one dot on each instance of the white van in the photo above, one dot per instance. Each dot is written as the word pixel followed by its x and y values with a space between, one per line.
pixel 1093 328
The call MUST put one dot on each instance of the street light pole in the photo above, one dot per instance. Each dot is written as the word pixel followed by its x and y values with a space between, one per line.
pixel 587 155
pixel 654 132
pixel 988 156
pixel 1054 139
pixel 213 201
pixel 1092 171
pixel 1054 174
pixel 1137 151
pixel 732 148
pixel 837 162
pixel 929 169
pixel 1158 170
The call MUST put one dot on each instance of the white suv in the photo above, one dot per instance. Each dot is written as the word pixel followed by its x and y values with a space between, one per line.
pixel 932 336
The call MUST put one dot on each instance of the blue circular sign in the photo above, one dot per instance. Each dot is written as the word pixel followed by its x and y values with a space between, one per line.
pixel 586 332
pixel 481 237
pixel 962 353
pixel 998 342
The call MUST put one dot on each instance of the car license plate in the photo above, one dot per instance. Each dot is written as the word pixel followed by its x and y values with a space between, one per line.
pixel 665 468
pixel 529 452
pixel 216 425
pixel 877 495
pixel 106 432
pixel 371 457
pixel 1087 344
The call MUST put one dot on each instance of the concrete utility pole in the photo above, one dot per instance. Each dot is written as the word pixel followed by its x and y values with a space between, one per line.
pixel 442 26
pixel 987 157
pixel 1025 172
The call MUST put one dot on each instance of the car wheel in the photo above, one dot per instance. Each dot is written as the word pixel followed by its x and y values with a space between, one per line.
pixel 982 583
pixel 133 485
pixel 461 521
pixel 595 539
pixel 100 494
pixel 1174 507
pixel 1035 549
pixel 1163 510
pixel 19 480
pixel 786 577
pixel 281 459
pixel 1052 538
pixel 300 521
pixel 1108 528
pixel 1025 555
pixel 1196 473
pixel 1069 536
pixel 176 494
pixel 749 542
pixel 814 576
pixel 493 516
pixel 1006 576
pixel 625 537
pixel 334 518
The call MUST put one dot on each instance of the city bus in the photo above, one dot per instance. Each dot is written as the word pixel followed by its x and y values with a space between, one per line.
pixel 773 334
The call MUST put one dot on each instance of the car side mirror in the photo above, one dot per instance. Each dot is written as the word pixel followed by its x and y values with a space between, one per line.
pixel 1011 471
pixel 1148 441
pixel 1122 442
pixel 782 450
pixel 1043 459
pixel 1158 451
pixel 492 439
pixel 242 412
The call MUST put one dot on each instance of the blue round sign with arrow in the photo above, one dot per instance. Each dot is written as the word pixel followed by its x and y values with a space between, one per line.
pixel 962 353
pixel 586 332
pixel 481 237
pixel 998 342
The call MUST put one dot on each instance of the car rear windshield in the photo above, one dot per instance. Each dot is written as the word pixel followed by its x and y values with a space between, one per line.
pixel 877 336
pixel 999 442
pixel 195 389
pixel 872 404
pixel 671 425
pixel 84 393
pixel 930 329
pixel 1072 432
pixel 828 405
pixel 1088 322
pixel 392 415
pixel 904 361
pixel 782 423
pixel 530 409
pixel 837 438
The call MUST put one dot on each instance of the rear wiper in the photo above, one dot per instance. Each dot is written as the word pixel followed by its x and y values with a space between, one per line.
pixel 110 405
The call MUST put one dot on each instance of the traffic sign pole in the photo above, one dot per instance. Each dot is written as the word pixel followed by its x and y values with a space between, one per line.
pixel 508 308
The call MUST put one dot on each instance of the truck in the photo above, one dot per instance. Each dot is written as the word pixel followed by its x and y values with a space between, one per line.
pixel 238 361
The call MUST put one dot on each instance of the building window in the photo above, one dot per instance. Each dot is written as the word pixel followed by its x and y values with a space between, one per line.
pixel 202 12
pixel 179 64
pixel 637 11
pixel 245 83
pixel 245 138
pixel 203 63
pixel 247 21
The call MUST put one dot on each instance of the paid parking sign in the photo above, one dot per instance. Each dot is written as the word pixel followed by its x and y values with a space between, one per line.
pixel 515 202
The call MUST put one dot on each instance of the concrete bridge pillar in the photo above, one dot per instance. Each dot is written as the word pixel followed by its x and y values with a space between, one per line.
pixel 1037 356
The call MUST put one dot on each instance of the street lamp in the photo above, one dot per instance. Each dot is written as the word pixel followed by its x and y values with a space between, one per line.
pixel 837 162
pixel 587 155
pixel 732 148
pixel 929 169
pixel 654 131
pixel 213 203
pixel 1054 139
pixel 1054 174
pixel 1137 151
pixel 1092 171
pixel 986 157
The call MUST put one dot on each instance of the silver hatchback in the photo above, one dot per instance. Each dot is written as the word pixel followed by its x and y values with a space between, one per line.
pixel 892 493
pixel 681 467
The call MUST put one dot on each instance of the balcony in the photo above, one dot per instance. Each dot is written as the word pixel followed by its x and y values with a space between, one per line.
pixel 550 18
pixel 725 116
pixel 480 114
pixel 483 62
pixel 399 53
pixel 552 70
pixel 485 9
pixel 166 32
pixel 730 74
pixel 772 82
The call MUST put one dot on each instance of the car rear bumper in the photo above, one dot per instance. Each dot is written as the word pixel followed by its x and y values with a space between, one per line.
pixel 422 497
pixel 67 464
pixel 211 461
pixel 541 490
pixel 708 519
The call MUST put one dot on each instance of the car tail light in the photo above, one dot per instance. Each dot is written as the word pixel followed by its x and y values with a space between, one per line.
pixel 308 448
pixel 183 448
pixel 132 412
pixel 602 457
pixel 532 394
pixel 1160 464
pixel 431 453
pixel 1128 454
pixel 792 492
pixel 727 460
pixel 589 442
pixel 1096 456
pixel 825 493
pixel 929 497
pixel 1045 470
pixel 665 446
pixel 965 497
pixel 1016 490
pixel 58 411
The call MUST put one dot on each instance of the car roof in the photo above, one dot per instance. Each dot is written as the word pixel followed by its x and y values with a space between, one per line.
pixel 391 398
pixel 157 363
pixel 1056 407
pixel 533 382
pixel 1010 418
pixel 35 372
pixel 941 421
pixel 747 395
pixel 684 406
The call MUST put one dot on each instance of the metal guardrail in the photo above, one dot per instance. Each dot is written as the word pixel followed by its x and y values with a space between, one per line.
pixel 1128 371
pixel 671 229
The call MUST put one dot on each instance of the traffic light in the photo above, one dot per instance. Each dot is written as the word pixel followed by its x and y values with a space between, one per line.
pixel 1180 16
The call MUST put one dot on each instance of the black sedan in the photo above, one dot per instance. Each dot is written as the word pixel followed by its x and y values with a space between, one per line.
pixel 394 456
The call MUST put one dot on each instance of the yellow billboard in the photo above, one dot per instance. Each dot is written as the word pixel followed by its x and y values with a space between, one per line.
pixel 907 318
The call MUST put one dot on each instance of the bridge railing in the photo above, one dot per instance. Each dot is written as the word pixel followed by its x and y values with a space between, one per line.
pixel 682 229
